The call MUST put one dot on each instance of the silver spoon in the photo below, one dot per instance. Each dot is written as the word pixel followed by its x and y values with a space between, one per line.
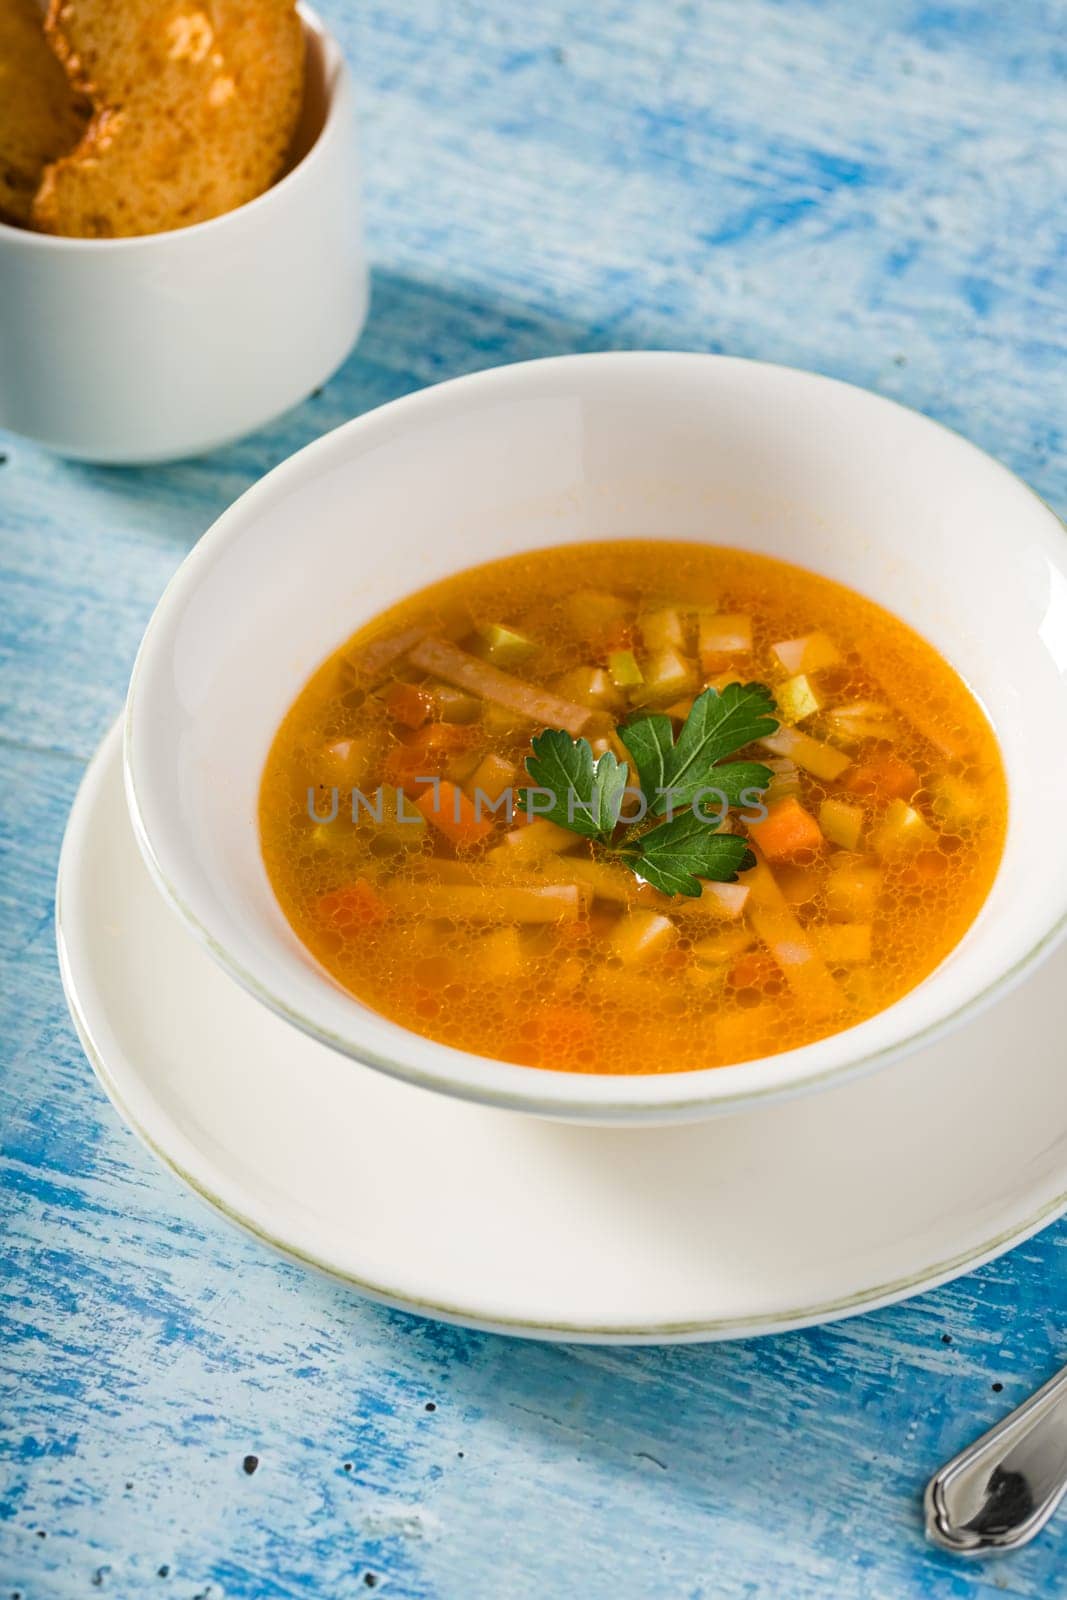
pixel 1000 1492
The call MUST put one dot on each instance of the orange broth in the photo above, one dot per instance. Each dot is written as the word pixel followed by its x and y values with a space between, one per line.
pixel 886 812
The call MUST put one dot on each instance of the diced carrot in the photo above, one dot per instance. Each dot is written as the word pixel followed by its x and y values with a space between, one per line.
pixel 453 814
pixel 786 831
pixel 883 778
pixel 408 704
pixel 425 753
pixel 357 905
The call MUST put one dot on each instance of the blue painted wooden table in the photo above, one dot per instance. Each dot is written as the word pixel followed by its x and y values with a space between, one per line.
pixel 874 191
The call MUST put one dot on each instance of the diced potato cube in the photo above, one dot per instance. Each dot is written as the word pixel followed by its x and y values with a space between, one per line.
pixel 639 935
pixel 955 801
pixel 538 838
pixel 662 630
pixel 590 686
pixel 810 653
pixel 723 633
pixel 500 954
pixel 504 646
pixel 347 763
pixel 902 828
pixel 797 698
pixel 844 943
pixel 591 611
pixel 852 889
pixel 668 675
pixel 821 760
pixel 721 899
pixel 723 946
pixel 841 823
pixel 493 776
pixel 624 670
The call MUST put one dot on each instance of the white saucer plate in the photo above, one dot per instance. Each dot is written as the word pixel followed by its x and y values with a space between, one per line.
pixel 788 1215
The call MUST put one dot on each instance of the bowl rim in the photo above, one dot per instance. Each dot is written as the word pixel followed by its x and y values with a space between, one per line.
pixel 572 1095
pixel 338 83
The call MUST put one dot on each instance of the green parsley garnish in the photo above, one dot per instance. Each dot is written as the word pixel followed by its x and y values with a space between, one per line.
pixel 687 780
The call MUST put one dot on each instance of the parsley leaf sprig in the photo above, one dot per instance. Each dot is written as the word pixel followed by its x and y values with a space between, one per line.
pixel 687 780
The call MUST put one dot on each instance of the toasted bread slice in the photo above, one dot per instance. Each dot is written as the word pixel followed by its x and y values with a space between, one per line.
pixel 194 107
pixel 41 116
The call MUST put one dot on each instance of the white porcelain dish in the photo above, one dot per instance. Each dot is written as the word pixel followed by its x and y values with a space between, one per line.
pixel 166 345
pixel 781 1216
pixel 592 447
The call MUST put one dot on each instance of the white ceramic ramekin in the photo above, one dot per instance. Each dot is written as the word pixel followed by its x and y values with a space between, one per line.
pixel 598 447
pixel 166 345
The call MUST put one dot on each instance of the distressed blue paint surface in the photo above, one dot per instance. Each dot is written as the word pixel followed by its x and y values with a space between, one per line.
pixel 874 191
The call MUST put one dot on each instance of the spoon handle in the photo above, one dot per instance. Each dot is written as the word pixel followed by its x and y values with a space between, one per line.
pixel 999 1492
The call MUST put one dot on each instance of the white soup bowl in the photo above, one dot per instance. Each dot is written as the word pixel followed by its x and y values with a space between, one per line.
pixel 617 446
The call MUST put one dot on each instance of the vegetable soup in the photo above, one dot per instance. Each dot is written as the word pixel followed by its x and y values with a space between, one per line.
pixel 632 807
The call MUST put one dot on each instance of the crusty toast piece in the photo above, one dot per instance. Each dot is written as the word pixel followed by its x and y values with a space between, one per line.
pixel 41 116
pixel 195 103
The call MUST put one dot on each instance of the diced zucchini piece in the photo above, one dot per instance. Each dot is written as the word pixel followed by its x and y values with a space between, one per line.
pixel 841 823
pixel 504 646
pixel 844 943
pixel 668 676
pixel 723 633
pixel 821 760
pixel 499 954
pixel 453 705
pixel 624 670
pixel 539 838
pixel 493 776
pixel 797 698
pixel 852 889
pixel 662 630
pixel 590 686
pixel 902 828
pixel 956 801
pixel 723 946
pixel 640 935
pixel 810 653
pixel 503 720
